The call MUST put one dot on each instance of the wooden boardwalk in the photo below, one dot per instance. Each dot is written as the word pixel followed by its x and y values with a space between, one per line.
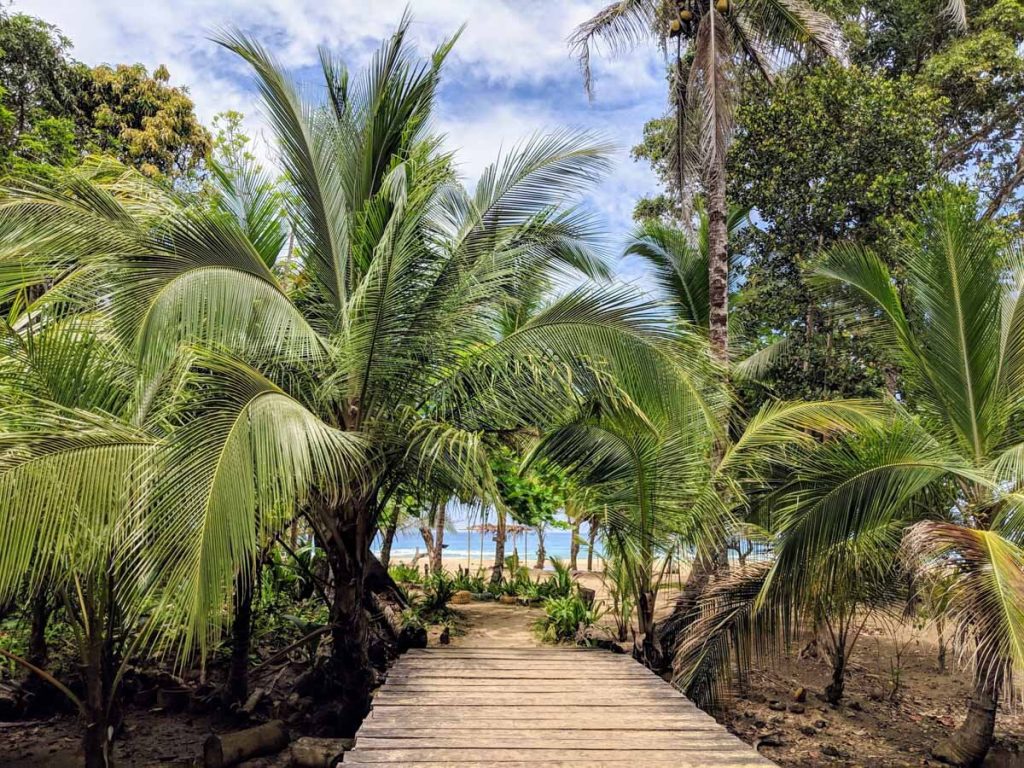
pixel 512 707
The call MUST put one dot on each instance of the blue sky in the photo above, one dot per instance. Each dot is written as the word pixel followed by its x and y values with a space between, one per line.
pixel 509 76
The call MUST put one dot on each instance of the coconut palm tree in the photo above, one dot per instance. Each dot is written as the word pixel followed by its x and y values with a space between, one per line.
pixel 716 38
pixel 66 439
pixel 956 320
pixel 939 490
pixel 381 367
pixel 658 480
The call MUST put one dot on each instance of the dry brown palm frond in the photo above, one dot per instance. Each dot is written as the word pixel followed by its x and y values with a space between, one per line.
pixel 956 11
pixel 711 97
pixel 621 26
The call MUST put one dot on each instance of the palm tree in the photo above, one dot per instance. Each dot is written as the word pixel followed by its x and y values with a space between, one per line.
pixel 716 37
pixel 381 368
pixel 939 490
pixel 956 320
pixel 659 479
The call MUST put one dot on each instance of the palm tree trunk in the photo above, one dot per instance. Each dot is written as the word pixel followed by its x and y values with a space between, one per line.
pixel 574 545
pixel 241 637
pixel 834 690
pixel 968 745
pixel 718 264
pixel 97 744
pixel 37 651
pixel 98 663
pixel 389 539
pixel 437 558
pixel 542 554
pixel 347 544
pixel 499 549
pixel 591 536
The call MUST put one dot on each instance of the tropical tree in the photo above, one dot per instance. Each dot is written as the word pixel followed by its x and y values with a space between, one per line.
pixel 72 435
pixel 716 38
pixel 938 491
pixel 381 365
pixel 956 321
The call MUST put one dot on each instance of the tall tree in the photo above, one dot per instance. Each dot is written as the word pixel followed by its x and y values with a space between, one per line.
pixel 715 40
pixel 384 364
pixel 56 110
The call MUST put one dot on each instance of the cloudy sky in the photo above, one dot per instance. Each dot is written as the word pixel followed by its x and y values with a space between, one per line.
pixel 510 74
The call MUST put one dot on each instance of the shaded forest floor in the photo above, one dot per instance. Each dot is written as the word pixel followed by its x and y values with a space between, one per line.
pixel 874 726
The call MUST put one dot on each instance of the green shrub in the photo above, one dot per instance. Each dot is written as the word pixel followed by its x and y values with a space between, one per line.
pixel 438 589
pixel 566 620
pixel 558 584
pixel 405 574
pixel 464 581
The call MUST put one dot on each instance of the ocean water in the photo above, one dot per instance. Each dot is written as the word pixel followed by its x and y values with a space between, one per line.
pixel 470 546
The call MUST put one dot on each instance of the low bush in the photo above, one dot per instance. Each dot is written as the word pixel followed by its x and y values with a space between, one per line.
pixel 566 620
pixel 405 574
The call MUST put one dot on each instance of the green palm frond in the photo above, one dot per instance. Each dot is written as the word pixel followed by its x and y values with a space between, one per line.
pixel 951 339
pixel 251 196
pixel 985 598
pixel 308 150
pixel 233 474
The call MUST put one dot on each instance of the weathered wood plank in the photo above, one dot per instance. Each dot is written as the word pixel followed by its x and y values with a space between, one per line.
pixel 462 711
pixel 392 738
pixel 517 763
pixel 516 685
pixel 596 698
pixel 513 721
pixel 581 757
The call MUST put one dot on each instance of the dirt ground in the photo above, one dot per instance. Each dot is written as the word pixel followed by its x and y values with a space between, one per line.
pixel 873 727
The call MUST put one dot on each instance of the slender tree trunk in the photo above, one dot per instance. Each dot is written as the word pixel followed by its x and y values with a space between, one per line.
pixel 718 263
pixel 97 741
pixel 499 549
pixel 591 536
pixel 427 533
pixel 645 652
pixel 98 664
pixel 542 554
pixel 574 545
pixel 241 637
pixel 389 539
pixel 38 653
pixel 834 690
pixel 437 559
pixel 940 625
pixel 347 545
pixel 970 743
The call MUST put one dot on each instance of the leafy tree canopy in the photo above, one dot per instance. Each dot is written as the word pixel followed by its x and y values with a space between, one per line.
pixel 55 110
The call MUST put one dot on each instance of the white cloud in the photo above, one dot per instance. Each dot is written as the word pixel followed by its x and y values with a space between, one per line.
pixel 510 74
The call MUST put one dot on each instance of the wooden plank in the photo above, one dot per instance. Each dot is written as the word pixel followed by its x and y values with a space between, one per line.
pixel 524 667
pixel 581 757
pixel 500 653
pixel 513 721
pixel 607 739
pixel 429 727
pixel 462 713
pixel 512 673
pixel 623 700
pixel 517 685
